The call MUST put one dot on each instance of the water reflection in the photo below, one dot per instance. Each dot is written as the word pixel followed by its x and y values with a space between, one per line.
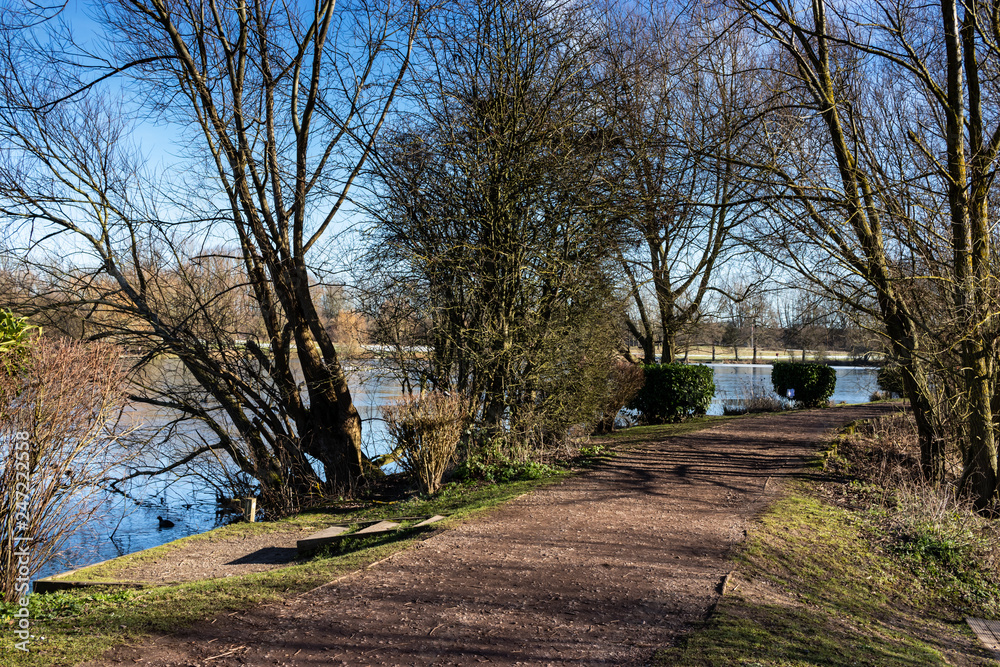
pixel 855 384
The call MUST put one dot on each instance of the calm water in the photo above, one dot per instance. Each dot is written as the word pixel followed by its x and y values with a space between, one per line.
pixel 130 524
pixel 855 384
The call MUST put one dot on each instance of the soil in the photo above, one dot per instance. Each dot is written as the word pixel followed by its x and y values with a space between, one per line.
pixel 212 558
pixel 604 568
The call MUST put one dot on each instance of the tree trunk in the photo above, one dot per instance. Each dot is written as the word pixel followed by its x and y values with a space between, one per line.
pixel 980 460
pixel 668 354
pixel 907 352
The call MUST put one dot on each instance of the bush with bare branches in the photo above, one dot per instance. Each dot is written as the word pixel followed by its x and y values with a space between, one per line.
pixel 58 410
pixel 754 397
pixel 625 379
pixel 426 430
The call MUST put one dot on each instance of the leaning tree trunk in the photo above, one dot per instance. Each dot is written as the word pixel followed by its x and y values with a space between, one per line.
pixel 330 428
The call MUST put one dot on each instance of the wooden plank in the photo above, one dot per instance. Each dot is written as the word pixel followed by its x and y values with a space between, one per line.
pixel 427 522
pixel 321 538
pixel 380 527
pixel 988 633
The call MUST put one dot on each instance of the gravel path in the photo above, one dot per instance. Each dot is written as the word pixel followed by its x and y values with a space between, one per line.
pixel 601 569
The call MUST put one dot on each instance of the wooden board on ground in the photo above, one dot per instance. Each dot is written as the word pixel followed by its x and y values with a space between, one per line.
pixel 367 528
pixel 48 585
pixel 427 522
pixel 988 633
pixel 321 538
pixel 380 527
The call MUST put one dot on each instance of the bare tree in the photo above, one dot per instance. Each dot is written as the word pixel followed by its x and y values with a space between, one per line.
pixel 274 108
pixel 681 97
pixel 750 315
pixel 881 158
pixel 59 406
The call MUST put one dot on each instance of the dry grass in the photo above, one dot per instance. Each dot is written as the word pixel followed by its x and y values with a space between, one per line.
pixel 930 527
pixel 756 396
pixel 426 429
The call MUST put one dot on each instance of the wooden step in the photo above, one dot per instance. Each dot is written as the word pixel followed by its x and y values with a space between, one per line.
pixel 427 522
pixel 337 533
pixel 988 633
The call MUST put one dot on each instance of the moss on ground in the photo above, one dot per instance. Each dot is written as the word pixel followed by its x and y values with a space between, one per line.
pixel 812 589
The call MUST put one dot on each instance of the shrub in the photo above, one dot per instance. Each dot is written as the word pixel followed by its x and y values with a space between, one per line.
pixel 673 392
pixel 59 409
pixel 756 397
pixel 426 430
pixel 476 469
pixel 890 378
pixel 16 338
pixel 625 380
pixel 813 383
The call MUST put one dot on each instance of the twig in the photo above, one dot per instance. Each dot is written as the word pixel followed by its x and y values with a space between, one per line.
pixel 223 655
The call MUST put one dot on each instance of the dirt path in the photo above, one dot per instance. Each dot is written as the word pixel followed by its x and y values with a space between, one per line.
pixel 602 569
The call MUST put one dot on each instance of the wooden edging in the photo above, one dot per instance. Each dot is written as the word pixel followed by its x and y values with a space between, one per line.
pixel 988 633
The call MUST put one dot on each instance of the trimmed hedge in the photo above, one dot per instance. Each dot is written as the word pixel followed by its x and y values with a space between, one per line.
pixel 674 392
pixel 813 383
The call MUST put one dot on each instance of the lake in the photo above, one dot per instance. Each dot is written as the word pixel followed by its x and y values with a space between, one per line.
pixel 855 384
pixel 130 524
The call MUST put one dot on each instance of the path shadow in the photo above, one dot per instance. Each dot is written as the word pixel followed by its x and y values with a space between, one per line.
pixel 267 556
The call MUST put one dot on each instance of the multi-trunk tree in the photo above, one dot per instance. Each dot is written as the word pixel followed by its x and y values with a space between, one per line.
pixel 682 104
pixel 266 112
pixel 488 226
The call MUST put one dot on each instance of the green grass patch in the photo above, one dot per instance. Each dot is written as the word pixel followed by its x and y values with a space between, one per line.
pixel 813 588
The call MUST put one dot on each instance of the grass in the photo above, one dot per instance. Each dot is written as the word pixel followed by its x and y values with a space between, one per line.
pixel 71 627
pixel 846 572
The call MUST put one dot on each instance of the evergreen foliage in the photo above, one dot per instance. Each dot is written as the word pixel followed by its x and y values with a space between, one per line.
pixel 674 392
pixel 890 378
pixel 813 384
